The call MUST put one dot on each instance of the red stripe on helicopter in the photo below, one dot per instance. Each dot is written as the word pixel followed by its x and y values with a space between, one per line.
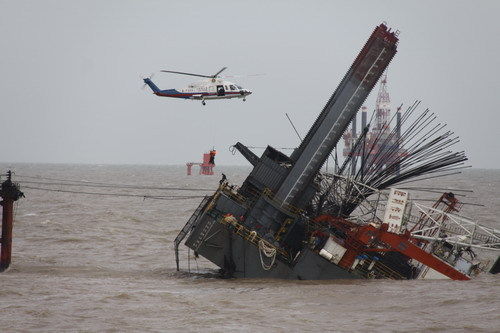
pixel 187 95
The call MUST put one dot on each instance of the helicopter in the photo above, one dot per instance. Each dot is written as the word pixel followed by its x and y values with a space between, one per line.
pixel 214 87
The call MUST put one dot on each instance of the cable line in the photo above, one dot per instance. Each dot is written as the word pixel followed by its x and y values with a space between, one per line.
pixel 157 197
pixel 104 185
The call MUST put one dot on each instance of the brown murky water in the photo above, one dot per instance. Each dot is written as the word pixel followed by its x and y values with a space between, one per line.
pixel 96 263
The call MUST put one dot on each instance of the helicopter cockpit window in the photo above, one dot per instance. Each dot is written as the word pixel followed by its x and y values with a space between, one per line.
pixel 232 87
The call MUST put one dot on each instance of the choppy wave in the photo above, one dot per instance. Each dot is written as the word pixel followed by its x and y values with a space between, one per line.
pixel 84 263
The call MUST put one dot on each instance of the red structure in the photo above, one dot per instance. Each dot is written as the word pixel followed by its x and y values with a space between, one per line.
pixel 373 238
pixel 9 193
pixel 206 167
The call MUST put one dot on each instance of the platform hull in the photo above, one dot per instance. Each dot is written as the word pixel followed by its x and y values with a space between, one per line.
pixel 240 258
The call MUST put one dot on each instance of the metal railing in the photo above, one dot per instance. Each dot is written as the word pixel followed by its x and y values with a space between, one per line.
pixel 250 235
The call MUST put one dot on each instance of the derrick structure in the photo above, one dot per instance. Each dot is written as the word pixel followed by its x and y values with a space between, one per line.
pixel 378 139
pixel 342 107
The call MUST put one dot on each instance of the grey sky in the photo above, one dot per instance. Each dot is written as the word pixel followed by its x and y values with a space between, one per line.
pixel 70 73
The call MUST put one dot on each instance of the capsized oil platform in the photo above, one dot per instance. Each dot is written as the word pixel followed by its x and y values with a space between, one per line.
pixel 290 220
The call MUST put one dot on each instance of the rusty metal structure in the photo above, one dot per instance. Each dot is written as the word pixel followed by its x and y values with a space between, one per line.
pixel 9 192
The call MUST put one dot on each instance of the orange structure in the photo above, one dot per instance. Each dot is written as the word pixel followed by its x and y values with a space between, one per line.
pixel 206 167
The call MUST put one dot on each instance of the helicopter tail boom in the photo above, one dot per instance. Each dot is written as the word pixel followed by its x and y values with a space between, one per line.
pixel 151 85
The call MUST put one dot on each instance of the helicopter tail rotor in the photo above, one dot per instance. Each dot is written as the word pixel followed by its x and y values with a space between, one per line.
pixel 148 82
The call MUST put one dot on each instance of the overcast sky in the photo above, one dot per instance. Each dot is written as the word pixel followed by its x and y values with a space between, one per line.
pixel 70 87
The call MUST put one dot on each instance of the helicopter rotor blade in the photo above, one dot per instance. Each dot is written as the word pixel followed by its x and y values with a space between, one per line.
pixel 183 73
pixel 215 75
pixel 238 76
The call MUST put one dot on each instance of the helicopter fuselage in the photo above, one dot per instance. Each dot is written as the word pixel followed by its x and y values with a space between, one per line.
pixel 203 90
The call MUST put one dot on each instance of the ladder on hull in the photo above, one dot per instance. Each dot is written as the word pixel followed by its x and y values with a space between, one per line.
pixel 190 225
